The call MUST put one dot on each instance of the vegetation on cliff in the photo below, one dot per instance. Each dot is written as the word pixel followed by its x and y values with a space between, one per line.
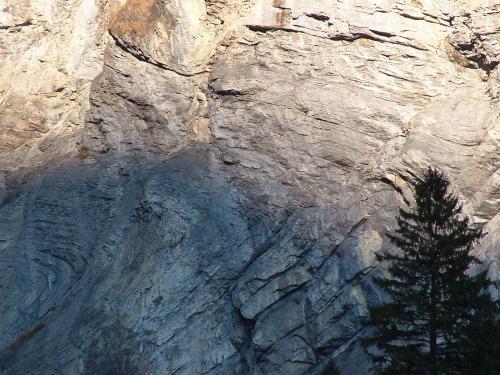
pixel 440 318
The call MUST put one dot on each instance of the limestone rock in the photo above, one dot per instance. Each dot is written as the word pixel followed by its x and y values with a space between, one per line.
pixel 199 187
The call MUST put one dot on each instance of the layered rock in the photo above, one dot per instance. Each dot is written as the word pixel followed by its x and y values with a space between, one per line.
pixel 199 187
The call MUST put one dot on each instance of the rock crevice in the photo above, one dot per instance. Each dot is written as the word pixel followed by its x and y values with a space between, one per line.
pixel 200 187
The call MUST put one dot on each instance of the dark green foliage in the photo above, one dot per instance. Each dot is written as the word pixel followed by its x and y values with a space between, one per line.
pixel 481 339
pixel 438 314
pixel 330 369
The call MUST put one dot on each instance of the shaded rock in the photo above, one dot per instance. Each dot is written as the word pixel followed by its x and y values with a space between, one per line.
pixel 200 187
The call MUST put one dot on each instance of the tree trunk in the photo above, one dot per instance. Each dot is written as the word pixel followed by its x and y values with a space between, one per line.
pixel 434 293
pixel 433 327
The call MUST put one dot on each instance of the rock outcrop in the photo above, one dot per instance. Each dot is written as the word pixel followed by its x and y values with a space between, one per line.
pixel 199 187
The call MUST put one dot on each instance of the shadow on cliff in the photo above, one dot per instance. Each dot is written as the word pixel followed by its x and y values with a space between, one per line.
pixel 92 245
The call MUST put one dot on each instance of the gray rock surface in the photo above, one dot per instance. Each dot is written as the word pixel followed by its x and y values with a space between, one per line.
pixel 199 187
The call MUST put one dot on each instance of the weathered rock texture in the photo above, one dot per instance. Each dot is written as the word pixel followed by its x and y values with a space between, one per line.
pixel 199 187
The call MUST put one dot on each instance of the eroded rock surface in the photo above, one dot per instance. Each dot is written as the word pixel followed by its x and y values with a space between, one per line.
pixel 199 187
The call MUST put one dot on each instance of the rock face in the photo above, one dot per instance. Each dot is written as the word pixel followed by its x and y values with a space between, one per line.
pixel 199 187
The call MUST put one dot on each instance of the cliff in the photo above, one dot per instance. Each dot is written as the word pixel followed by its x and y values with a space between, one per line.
pixel 199 187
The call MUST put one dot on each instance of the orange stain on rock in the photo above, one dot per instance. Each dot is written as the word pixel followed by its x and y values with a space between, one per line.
pixel 137 18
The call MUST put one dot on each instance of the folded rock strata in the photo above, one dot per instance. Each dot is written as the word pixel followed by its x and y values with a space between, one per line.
pixel 199 187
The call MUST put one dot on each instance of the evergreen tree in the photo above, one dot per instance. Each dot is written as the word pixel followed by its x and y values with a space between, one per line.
pixel 479 346
pixel 436 310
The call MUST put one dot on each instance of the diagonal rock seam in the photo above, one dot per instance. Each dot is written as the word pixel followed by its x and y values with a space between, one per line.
pixel 216 205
